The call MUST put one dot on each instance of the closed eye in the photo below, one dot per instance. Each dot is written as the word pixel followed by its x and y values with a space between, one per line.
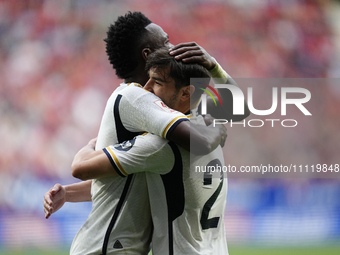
pixel 158 81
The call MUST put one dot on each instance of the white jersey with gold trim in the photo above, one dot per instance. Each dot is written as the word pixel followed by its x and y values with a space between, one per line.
pixel 120 220
pixel 187 207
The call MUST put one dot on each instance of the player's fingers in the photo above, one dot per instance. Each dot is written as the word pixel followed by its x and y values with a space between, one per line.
pixel 222 142
pixel 180 45
pixel 193 59
pixel 55 188
pixel 47 206
pixel 225 136
pixel 208 119
pixel 186 52
pixel 47 214
pixel 93 141
pixel 48 211
pixel 190 56
pixel 225 131
pixel 183 48
pixel 47 198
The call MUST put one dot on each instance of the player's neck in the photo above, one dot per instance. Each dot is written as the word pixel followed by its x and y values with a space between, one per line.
pixel 139 77
pixel 184 108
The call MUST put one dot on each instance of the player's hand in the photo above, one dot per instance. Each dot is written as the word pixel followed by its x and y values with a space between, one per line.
pixel 191 52
pixel 223 130
pixel 92 143
pixel 54 199
pixel 208 119
pixel 223 133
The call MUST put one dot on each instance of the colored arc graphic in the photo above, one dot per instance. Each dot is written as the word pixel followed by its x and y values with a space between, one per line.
pixel 208 92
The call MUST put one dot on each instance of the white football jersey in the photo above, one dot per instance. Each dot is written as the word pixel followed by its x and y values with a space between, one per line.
pixel 120 220
pixel 187 207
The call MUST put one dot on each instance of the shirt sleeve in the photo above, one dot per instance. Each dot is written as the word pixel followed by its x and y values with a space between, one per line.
pixel 141 110
pixel 144 153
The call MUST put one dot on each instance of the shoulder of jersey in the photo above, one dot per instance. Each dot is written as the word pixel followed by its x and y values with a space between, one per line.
pixel 134 84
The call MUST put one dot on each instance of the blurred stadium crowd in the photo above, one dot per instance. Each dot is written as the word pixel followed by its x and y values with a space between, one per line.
pixel 55 80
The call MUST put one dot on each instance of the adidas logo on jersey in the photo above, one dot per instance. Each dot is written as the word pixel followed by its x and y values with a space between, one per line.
pixel 117 245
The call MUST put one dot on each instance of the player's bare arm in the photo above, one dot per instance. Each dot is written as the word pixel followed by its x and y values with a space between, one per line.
pixel 208 137
pixel 55 198
pixel 91 164
pixel 191 52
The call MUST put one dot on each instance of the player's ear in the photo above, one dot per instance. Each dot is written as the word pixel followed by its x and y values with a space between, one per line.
pixel 187 91
pixel 192 89
pixel 146 52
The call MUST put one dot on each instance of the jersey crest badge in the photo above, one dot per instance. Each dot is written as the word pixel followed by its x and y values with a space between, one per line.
pixel 163 106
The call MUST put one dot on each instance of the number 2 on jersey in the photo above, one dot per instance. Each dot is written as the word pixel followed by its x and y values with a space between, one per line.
pixel 212 222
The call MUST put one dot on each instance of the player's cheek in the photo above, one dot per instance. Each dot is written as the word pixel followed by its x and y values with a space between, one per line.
pixel 158 92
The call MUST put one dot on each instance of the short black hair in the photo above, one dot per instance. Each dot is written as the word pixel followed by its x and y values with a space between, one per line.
pixel 123 40
pixel 179 71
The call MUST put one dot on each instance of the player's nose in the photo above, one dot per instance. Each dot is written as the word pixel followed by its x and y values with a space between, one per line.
pixel 148 86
